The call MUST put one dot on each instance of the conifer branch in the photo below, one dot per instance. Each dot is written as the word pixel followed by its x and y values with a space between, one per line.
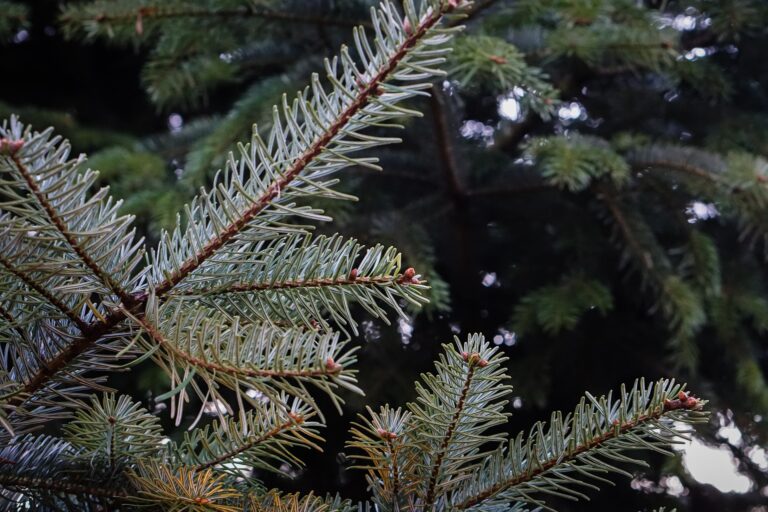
pixel 92 334
pixel 44 293
pixel 13 324
pixel 373 99
pixel 247 446
pixel 57 485
pixel 48 467
pixel 61 226
pixel 449 422
pixel 330 368
pixel 580 446
pixel 677 166
pixel 368 92
pixel 306 283
pixel 473 361
pixel 262 438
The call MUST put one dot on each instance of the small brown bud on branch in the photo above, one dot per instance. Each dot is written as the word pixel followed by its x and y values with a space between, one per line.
pixel 385 434
pixel 332 366
pixel 10 147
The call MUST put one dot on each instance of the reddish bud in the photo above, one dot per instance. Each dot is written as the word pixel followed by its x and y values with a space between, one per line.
pixel 297 418
pixel 385 434
pixel 409 273
pixel 496 59
pixel 10 147
pixel 682 396
pixel 407 26
pixel 331 365
pixel 353 274
pixel 474 359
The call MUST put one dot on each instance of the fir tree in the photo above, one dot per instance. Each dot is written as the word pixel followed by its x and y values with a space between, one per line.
pixel 246 310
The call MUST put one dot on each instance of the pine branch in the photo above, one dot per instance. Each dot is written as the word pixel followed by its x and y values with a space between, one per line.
pixel 331 120
pixel 301 280
pixel 44 293
pixel 431 492
pixel 487 63
pixel 56 219
pixel 387 454
pixel 114 430
pixel 556 308
pixel 572 162
pixel 162 488
pixel 225 352
pixel 679 303
pixel 454 411
pixel 578 448
pixel 264 437
pixel 289 165
pixel 47 469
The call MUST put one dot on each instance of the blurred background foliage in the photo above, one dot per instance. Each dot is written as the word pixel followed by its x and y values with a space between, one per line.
pixel 588 187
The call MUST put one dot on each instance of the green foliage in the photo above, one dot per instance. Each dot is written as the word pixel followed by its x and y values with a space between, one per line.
pixel 559 307
pixel 115 430
pixel 200 45
pixel 263 438
pixel 572 163
pixel 484 62
pixel 445 453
